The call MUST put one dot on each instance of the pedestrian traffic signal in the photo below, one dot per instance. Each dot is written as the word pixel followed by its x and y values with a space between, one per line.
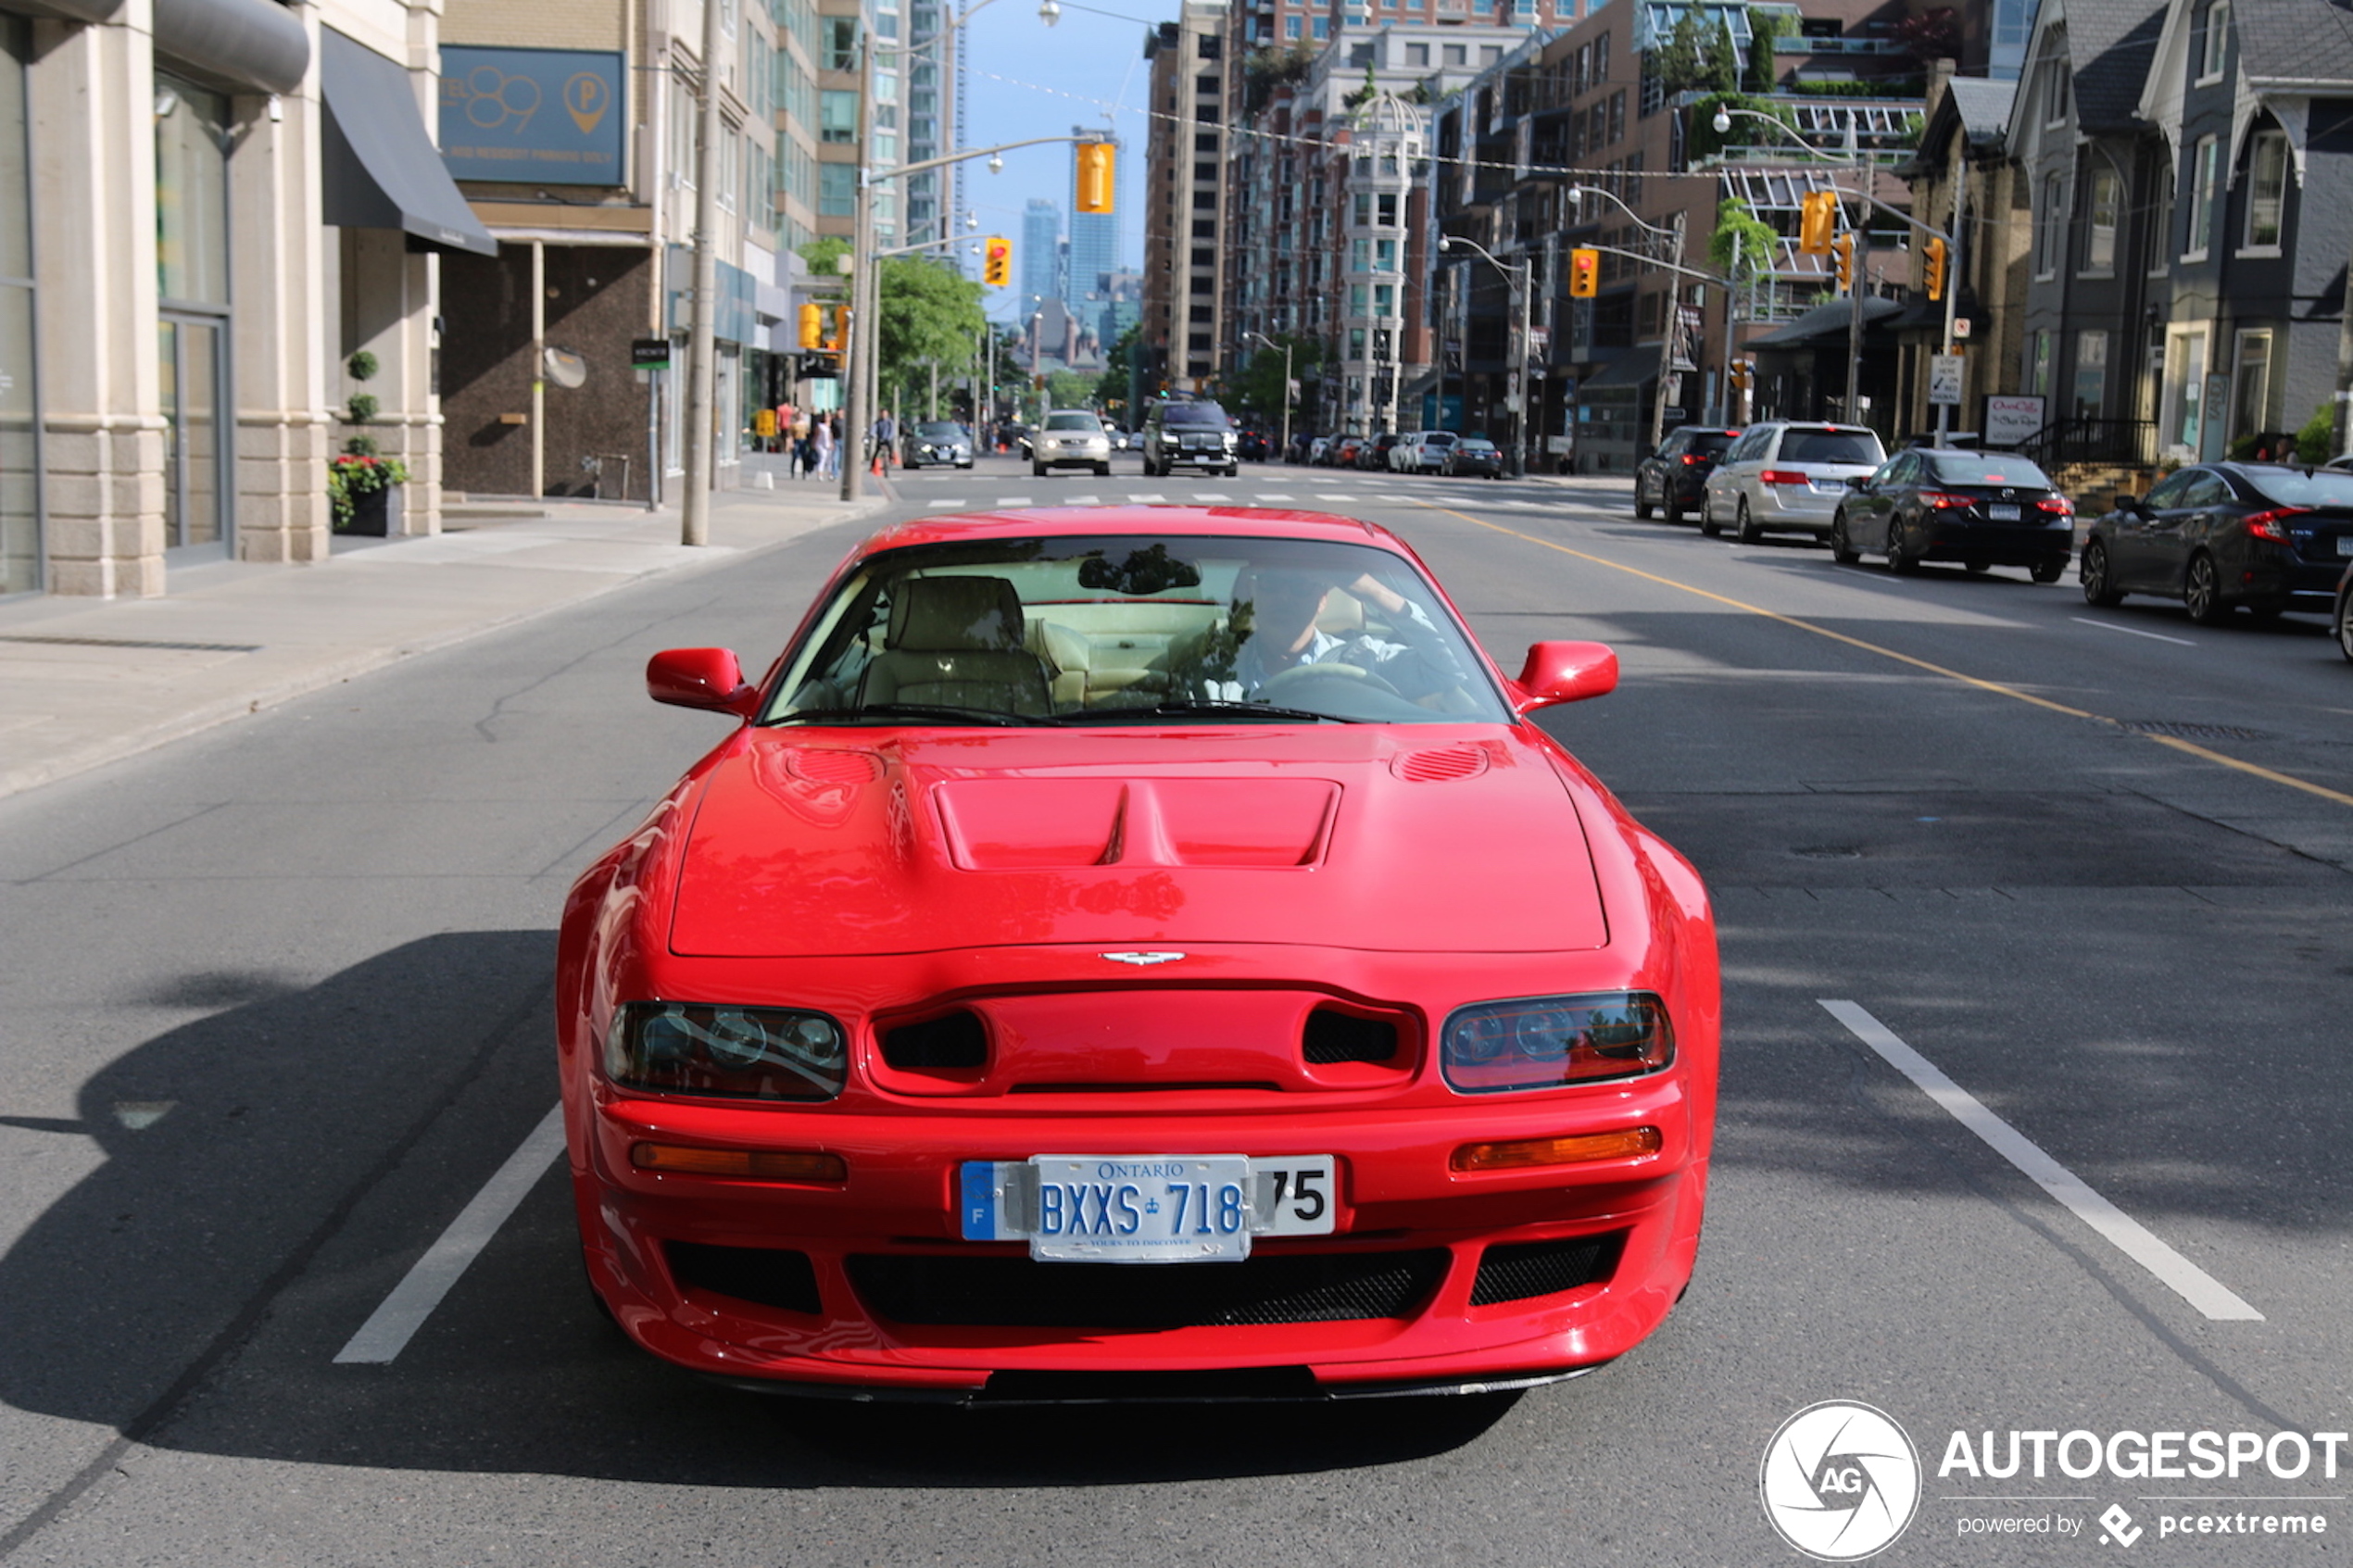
pixel 1584 273
pixel 812 327
pixel 997 262
pixel 1932 268
pixel 1843 260
pixel 1096 166
pixel 1816 222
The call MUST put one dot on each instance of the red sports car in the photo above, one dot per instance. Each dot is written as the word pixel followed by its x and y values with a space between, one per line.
pixel 1138 952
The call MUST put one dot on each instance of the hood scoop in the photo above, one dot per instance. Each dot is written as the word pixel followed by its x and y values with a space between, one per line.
pixel 1440 764
pixel 1030 824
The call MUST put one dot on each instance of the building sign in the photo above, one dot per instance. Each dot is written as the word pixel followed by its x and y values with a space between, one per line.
pixel 2012 421
pixel 535 116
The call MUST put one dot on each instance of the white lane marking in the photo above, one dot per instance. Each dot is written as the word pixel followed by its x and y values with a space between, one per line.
pixel 1012 501
pixel 1082 500
pixel 390 1326
pixel 141 1114
pixel 1335 495
pixel 1148 495
pixel 2131 632
pixel 2193 1283
pixel 1274 495
pixel 942 506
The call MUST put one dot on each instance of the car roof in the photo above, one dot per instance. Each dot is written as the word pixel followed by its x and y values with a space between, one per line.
pixel 1029 522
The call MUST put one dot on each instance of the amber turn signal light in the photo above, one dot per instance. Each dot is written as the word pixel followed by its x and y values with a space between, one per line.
pixel 1520 1153
pixel 758 1165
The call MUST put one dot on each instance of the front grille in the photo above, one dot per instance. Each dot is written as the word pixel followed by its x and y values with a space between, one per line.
pixel 954 1039
pixel 1018 1293
pixel 769 1276
pixel 1522 1270
pixel 1332 1036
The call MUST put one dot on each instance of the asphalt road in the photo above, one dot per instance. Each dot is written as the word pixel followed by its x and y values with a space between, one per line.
pixel 277 1008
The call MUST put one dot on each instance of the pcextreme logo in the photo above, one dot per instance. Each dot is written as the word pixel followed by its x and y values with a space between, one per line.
pixel 1840 1480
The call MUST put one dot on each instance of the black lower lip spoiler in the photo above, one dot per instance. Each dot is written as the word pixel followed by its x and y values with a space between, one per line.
pixel 1241 1386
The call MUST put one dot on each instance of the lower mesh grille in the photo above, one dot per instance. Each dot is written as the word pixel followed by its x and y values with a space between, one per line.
pixel 767 1275
pixel 1017 1293
pixel 1543 1268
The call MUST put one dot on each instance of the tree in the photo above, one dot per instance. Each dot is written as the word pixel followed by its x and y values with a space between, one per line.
pixel 821 255
pixel 1742 241
pixel 1679 66
pixel 1764 27
pixel 1258 387
pixel 1069 389
pixel 1719 69
pixel 929 314
pixel 1111 392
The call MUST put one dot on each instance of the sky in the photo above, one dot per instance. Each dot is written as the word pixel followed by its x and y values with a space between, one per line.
pixel 1029 80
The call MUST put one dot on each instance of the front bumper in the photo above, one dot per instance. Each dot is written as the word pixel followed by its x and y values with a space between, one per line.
pixel 870 1286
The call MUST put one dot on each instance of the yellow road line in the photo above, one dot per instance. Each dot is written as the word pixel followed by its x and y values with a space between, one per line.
pixel 2289 779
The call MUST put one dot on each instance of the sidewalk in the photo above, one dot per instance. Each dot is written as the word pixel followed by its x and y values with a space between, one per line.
pixel 85 683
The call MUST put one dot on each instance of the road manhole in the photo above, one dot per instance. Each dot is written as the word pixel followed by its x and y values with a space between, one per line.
pixel 1827 852
pixel 2181 731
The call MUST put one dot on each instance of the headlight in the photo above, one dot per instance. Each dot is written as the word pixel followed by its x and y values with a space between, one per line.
pixel 1544 1042
pixel 752 1053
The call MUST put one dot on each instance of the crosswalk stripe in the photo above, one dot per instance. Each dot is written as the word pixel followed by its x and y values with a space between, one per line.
pixel 1146 495
pixel 1013 501
pixel 1082 500
pixel 1334 495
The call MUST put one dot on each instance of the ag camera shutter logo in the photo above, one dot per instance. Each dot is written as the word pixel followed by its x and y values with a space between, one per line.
pixel 1840 1480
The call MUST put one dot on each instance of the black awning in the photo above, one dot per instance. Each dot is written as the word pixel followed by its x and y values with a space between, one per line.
pixel 380 170
pixel 1638 367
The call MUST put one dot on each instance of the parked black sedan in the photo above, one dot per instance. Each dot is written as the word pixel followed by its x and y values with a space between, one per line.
pixel 1473 455
pixel 1981 508
pixel 2220 535
pixel 1672 478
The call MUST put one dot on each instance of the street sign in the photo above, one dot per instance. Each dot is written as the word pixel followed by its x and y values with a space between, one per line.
pixel 1540 339
pixel 1960 329
pixel 650 354
pixel 1944 379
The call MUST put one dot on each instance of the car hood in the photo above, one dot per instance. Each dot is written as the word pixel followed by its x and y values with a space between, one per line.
pixel 845 843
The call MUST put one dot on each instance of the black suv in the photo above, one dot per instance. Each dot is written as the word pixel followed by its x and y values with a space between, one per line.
pixel 1190 434
pixel 1673 477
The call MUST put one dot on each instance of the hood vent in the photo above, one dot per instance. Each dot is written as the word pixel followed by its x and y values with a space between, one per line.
pixel 817 765
pixel 1439 766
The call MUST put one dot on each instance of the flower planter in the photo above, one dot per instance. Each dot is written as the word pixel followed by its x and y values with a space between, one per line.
pixel 375 513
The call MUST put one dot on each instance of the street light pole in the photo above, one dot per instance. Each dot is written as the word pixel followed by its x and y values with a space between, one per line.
pixel 1522 275
pixel 1673 325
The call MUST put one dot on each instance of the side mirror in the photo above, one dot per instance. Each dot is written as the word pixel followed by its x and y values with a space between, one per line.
pixel 707 678
pixel 1557 672
pixel 1858 481
pixel 2130 504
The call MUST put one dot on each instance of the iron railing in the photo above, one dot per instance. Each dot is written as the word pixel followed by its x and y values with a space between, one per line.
pixel 2132 442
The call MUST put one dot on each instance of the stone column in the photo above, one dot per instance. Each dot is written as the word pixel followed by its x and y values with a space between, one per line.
pixel 93 109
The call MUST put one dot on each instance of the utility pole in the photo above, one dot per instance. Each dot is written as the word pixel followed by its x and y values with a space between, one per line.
pixel 864 284
pixel 1953 275
pixel 701 337
pixel 1861 265
pixel 1674 329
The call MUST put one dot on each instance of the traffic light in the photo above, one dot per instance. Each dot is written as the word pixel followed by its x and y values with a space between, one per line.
pixel 1096 164
pixel 1932 268
pixel 812 327
pixel 1584 273
pixel 997 262
pixel 1842 258
pixel 837 331
pixel 1743 369
pixel 1816 222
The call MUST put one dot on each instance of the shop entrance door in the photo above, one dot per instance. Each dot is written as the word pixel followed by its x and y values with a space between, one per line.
pixel 197 496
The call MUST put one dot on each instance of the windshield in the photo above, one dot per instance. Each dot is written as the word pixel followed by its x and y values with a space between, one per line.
pixel 1073 422
pixel 1194 414
pixel 939 430
pixel 1135 629
pixel 1832 447
pixel 1438 438
pixel 2294 487
pixel 1994 468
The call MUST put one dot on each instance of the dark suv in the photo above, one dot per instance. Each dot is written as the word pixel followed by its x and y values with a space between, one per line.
pixel 1672 478
pixel 1192 433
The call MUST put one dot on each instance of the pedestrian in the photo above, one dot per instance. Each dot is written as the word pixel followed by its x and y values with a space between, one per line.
pixel 804 451
pixel 886 437
pixel 823 438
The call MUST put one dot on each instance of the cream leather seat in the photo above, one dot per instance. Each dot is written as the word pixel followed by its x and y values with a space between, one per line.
pixel 956 642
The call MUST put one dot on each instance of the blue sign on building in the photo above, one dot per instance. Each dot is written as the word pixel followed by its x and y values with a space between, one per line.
pixel 535 116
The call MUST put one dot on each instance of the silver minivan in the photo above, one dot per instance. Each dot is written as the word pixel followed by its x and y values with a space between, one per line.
pixel 1786 477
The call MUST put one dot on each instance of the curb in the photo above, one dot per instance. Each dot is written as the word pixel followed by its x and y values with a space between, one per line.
pixel 334 672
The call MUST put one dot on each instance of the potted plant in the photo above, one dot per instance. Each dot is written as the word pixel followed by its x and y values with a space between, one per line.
pixel 365 489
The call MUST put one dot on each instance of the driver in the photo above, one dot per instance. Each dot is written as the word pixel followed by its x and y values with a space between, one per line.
pixel 1277 610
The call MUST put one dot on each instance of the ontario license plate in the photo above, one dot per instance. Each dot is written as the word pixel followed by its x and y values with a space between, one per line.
pixel 1145 1209
pixel 2002 511
pixel 2345 544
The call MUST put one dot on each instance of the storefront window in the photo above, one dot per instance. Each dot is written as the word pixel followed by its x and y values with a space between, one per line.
pixel 192 274
pixel 19 474
pixel 191 193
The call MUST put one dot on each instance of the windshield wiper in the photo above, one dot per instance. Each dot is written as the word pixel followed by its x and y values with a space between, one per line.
pixel 920 712
pixel 1220 706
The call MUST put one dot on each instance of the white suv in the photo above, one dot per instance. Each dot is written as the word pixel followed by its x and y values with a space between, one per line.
pixel 1071 438
pixel 1786 477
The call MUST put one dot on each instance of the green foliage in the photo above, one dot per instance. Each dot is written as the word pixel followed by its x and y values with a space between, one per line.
pixel 1677 65
pixel 1720 63
pixel 361 365
pixel 1742 241
pixel 362 446
pixel 1876 87
pixel 821 255
pixel 1070 389
pixel 1764 27
pixel 2316 443
pixel 1111 392
pixel 351 476
pixel 1258 387
pixel 930 315
pixel 363 407
pixel 1265 70
pixel 1701 140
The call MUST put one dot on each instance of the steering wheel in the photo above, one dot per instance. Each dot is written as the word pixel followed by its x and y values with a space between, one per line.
pixel 1299 674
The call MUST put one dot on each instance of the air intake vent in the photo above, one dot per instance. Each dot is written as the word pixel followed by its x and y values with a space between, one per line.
pixel 1544 1268
pixel 1440 765
pixel 769 1276
pixel 954 1039
pixel 1265 1288
pixel 1332 1036
pixel 818 765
